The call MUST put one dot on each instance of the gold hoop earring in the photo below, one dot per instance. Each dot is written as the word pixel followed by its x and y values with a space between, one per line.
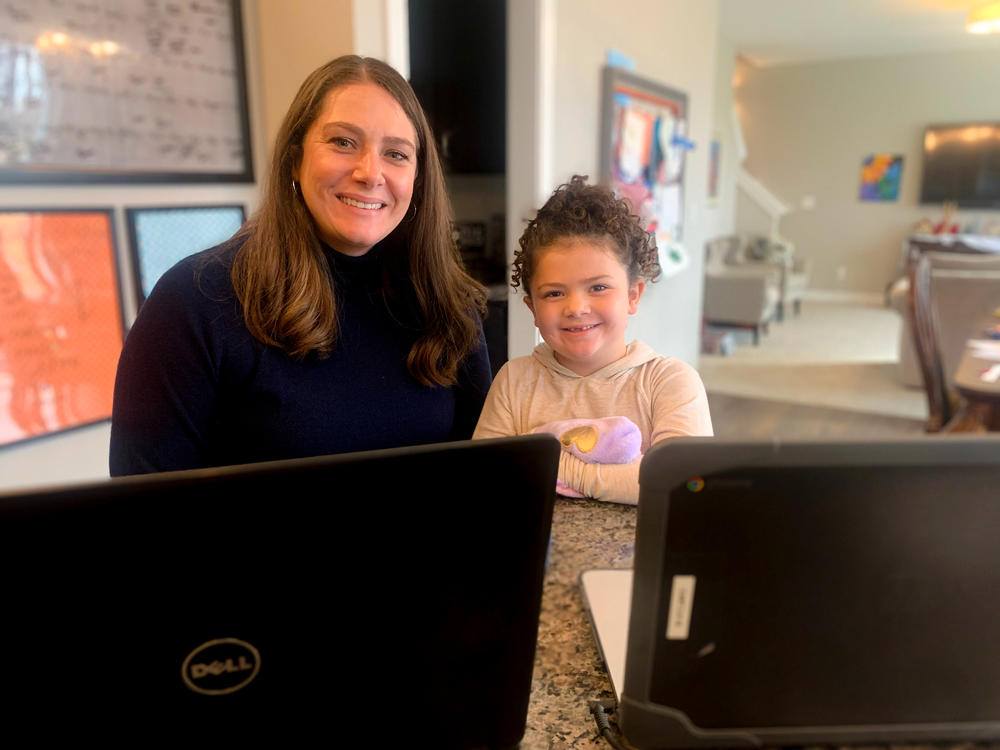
pixel 295 188
pixel 413 214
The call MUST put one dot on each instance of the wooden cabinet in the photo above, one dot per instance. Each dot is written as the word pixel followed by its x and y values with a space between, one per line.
pixel 458 69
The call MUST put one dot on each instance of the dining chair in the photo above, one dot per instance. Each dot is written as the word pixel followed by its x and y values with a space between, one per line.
pixel 962 295
pixel 924 326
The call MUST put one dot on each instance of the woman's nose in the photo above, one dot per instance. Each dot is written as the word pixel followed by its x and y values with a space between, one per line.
pixel 368 168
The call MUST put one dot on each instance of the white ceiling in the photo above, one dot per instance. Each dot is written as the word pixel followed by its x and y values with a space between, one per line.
pixel 780 32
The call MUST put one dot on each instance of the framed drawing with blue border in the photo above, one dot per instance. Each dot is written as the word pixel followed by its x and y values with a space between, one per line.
pixel 123 91
pixel 159 236
pixel 61 322
pixel 644 141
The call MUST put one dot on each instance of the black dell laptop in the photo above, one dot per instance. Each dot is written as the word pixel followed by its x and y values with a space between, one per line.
pixel 386 599
pixel 808 593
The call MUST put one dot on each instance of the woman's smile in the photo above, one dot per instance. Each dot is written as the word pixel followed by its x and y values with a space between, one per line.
pixel 361 204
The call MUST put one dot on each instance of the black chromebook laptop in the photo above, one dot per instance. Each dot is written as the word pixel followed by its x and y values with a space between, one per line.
pixel 811 593
pixel 385 599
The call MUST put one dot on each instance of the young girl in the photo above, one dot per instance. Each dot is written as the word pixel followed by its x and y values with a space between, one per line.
pixel 583 264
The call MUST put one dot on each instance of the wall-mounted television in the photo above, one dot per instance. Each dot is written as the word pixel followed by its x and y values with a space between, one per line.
pixel 962 165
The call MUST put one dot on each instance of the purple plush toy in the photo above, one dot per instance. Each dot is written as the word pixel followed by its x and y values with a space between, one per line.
pixel 601 440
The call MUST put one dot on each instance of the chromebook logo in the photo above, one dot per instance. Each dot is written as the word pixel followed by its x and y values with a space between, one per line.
pixel 696 485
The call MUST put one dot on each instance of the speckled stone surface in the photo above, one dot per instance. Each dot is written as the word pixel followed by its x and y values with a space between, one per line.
pixel 569 672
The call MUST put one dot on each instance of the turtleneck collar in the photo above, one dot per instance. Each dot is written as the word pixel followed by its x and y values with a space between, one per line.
pixel 351 262
pixel 362 271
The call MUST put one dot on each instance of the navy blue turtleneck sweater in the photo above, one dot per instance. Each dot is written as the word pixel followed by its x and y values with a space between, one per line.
pixel 195 389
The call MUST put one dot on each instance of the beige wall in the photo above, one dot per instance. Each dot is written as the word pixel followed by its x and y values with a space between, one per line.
pixel 721 213
pixel 674 44
pixel 808 127
pixel 294 38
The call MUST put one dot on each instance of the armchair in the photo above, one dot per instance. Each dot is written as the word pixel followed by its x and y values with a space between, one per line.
pixel 779 255
pixel 735 295
pixel 763 254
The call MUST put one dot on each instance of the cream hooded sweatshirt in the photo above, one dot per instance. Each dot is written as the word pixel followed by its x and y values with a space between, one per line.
pixel 664 396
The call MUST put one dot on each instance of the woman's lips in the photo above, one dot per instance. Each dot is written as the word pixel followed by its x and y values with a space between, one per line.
pixel 361 204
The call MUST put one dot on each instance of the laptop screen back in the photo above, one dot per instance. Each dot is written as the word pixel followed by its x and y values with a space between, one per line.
pixel 787 589
pixel 393 592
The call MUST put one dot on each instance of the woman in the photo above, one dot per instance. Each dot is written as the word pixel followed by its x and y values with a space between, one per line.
pixel 337 319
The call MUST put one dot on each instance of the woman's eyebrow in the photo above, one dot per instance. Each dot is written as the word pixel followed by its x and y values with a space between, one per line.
pixel 329 127
pixel 391 140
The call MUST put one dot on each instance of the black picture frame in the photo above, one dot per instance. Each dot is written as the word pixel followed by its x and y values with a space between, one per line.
pixel 124 92
pixel 160 236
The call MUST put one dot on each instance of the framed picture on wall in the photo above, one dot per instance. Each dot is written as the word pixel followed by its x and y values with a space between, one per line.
pixel 160 236
pixel 714 167
pixel 881 175
pixel 123 91
pixel 61 324
pixel 643 146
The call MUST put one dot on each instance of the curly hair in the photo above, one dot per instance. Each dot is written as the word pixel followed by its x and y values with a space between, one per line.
pixel 594 212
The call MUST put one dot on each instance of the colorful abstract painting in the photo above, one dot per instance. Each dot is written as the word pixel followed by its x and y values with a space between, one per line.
pixel 60 320
pixel 880 177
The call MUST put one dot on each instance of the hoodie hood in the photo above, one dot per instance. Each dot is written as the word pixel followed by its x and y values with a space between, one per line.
pixel 637 353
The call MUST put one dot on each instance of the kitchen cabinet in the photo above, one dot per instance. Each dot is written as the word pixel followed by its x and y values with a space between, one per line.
pixel 458 69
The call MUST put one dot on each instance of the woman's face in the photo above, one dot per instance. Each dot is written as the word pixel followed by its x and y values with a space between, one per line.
pixel 359 162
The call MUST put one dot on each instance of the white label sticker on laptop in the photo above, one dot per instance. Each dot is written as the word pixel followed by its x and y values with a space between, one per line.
pixel 681 602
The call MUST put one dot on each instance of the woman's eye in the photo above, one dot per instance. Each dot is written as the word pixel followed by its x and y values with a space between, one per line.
pixel 341 142
pixel 547 295
pixel 398 156
pixel 598 287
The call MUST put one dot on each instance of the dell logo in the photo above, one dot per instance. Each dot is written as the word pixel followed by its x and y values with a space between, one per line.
pixel 220 666
pixel 217 667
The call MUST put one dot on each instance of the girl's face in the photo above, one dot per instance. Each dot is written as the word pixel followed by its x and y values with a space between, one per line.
pixel 359 163
pixel 581 298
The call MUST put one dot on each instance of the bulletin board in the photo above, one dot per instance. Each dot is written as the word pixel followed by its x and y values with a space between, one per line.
pixel 61 325
pixel 123 91
pixel 643 147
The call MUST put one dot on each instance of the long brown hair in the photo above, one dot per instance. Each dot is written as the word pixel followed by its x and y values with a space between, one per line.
pixel 281 274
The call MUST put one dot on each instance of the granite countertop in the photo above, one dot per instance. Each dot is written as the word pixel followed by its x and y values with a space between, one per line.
pixel 569 672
